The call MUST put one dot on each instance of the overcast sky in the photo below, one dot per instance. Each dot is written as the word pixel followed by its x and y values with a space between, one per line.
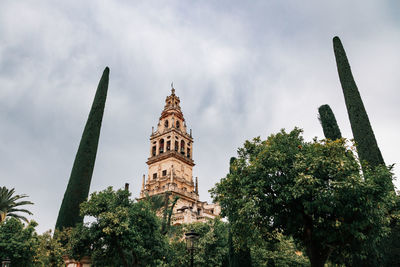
pixel 241 69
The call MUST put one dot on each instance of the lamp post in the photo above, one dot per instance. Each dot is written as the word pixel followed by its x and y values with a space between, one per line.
pixel 191 239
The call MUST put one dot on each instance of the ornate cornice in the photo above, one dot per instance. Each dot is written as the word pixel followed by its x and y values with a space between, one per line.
pixel 169 154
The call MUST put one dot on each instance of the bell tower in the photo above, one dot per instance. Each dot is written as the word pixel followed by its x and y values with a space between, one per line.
pixel 171 166
pixel 170 162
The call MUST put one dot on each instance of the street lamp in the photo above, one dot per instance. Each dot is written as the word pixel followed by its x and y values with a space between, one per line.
pixel 6 263
pixel 191 239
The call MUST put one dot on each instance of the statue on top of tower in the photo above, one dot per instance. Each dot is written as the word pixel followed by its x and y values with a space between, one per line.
pixel 172 89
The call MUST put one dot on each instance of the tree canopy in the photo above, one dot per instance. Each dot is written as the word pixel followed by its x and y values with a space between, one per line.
pixel 18 242
pixel 310 191
pixel 123 232
pixel 212 245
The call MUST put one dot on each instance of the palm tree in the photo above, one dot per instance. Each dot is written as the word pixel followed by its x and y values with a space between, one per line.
pixel 9 204
pixel 162 203
pixel 156 201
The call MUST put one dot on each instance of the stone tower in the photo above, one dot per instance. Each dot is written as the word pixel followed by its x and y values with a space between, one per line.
pixel 171 166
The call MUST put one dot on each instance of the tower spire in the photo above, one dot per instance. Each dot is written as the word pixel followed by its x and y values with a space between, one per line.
pixel 172 89
pixel 171 162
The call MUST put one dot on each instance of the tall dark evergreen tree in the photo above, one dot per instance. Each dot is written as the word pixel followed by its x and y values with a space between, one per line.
pixel 81 175
pixel 367 147
pixel 328 122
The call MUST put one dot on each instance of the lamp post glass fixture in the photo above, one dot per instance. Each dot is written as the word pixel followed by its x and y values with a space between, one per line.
pixel 191 239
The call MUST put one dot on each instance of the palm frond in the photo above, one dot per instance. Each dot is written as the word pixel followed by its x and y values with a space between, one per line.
pixel 22 203
pixel 9 202
pixel 17 216
pixel 20 210
pixel 156 201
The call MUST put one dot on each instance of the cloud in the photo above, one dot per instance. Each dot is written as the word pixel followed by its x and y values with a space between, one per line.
pixel 241 69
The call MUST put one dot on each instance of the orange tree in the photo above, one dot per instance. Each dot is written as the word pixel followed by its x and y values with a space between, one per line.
pixel 122 232
pixel 18 242
pixel 310 191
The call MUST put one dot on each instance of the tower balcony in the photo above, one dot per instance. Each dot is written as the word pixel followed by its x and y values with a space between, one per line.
pixel 170 188
pixel 168 154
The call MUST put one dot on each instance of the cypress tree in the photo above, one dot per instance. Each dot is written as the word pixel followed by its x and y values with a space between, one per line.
pixel 367 147
pixel 328 123
pixel 81 175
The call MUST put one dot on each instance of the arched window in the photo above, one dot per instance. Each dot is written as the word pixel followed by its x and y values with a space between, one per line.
pixel 176 145
pixel 153 152
pixel 177 124
pixel 188 152
pixel 161 146
pixel 168 145
pixel 183 147
pixel 166 123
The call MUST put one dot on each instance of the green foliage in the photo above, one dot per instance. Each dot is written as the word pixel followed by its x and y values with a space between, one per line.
pixel 328 122
pixel 214 248
pixel 156 202
pixel 162 203
pixel 310 191
pixel 9 204
pixel 212 245
pixel 239 256
pixel 168 210
pixel 279 251
pixel 367 147
pixel 49 250
pixel 123 232
pixel 390 246
pixel 369 246
pixel 18 242
pixel 81 175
